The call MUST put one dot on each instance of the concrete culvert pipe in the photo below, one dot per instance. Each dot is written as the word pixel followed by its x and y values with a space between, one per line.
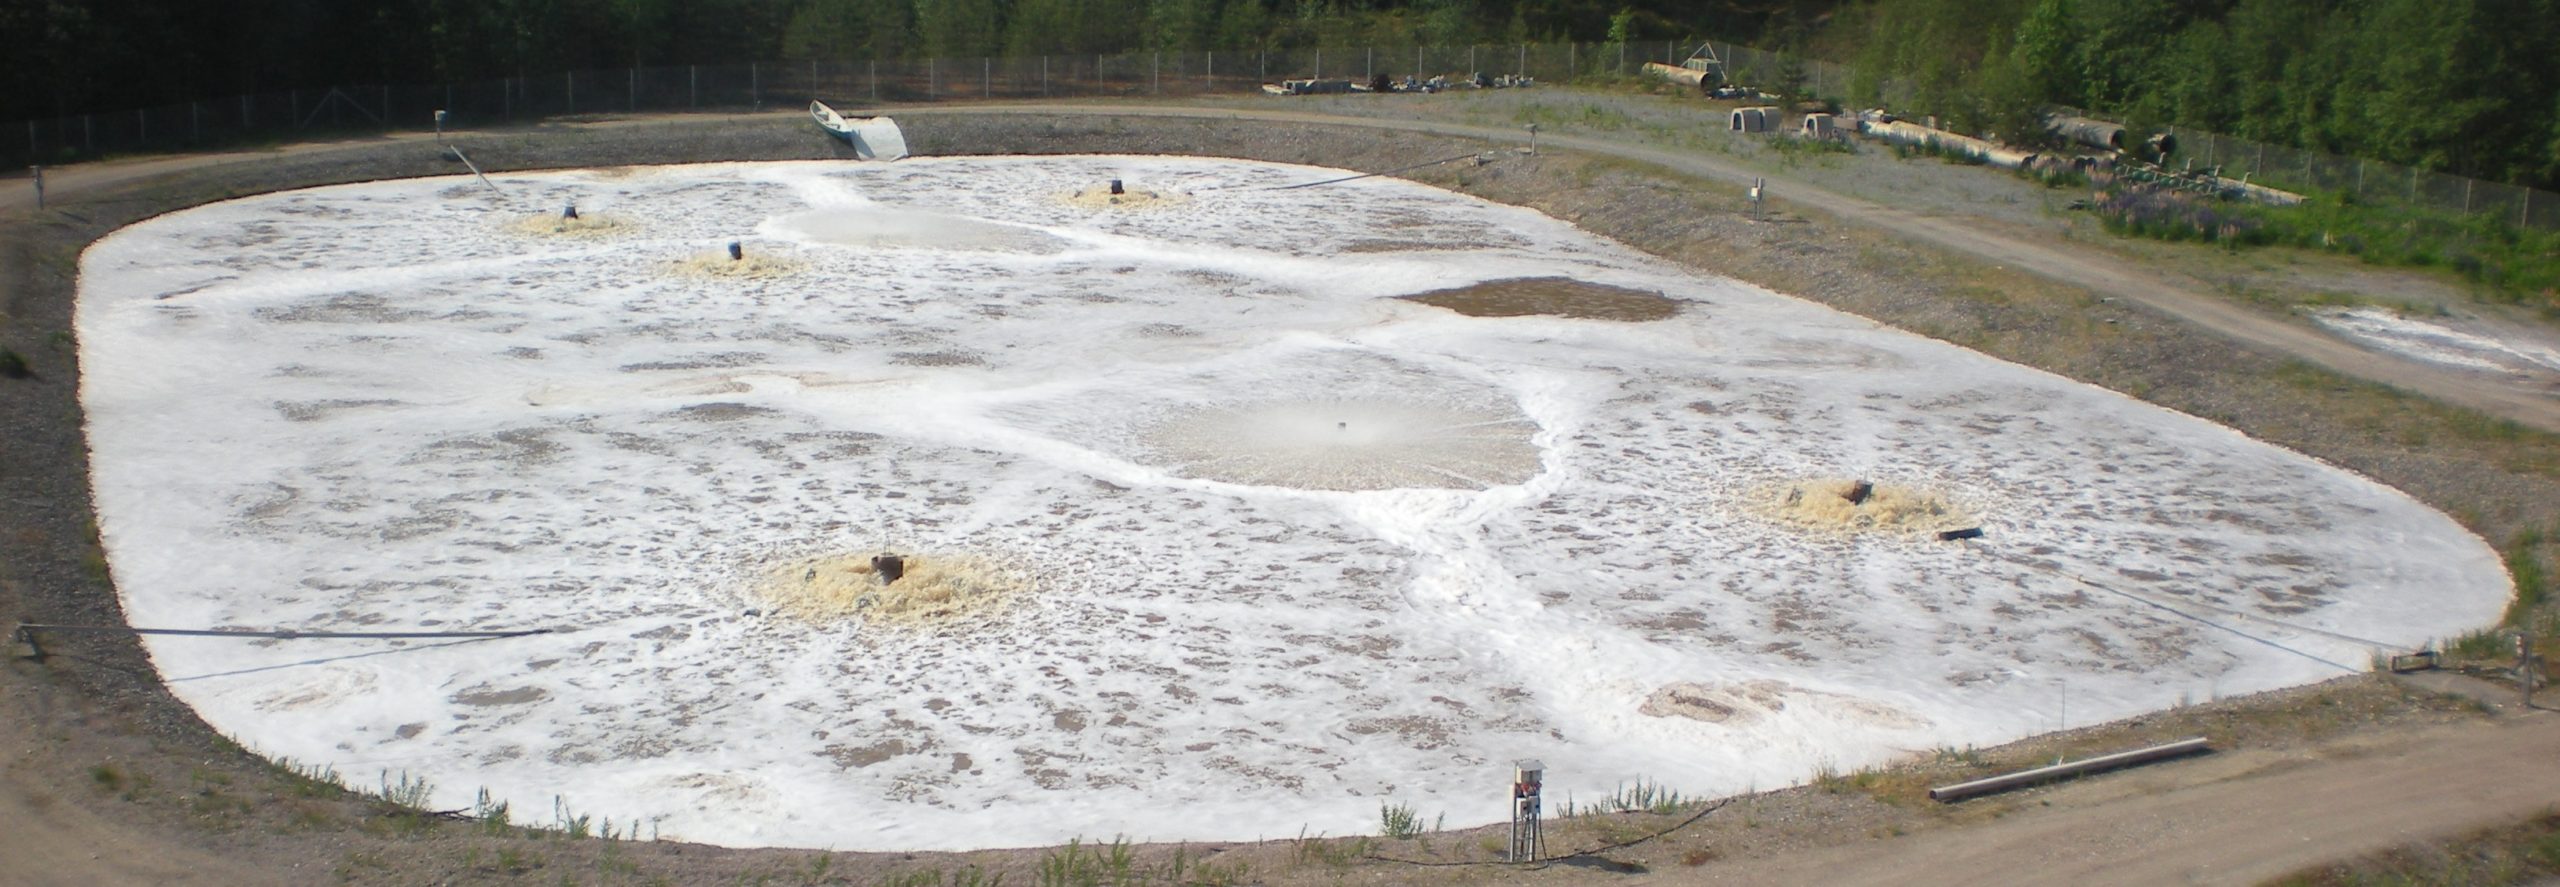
pixel 2085 131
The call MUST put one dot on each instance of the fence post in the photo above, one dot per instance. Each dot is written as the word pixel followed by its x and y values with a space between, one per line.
pixel 1319 63
pixel 38 170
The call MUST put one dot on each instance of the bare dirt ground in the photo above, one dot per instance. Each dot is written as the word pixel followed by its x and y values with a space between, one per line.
pixel 105 779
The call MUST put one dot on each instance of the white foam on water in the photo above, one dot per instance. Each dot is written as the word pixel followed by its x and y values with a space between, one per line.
pixel 373 407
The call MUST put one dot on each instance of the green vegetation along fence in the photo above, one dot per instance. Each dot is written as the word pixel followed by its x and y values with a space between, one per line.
pixel 2314 173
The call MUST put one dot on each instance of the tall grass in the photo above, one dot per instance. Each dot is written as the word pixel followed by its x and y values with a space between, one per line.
pixel 2511 263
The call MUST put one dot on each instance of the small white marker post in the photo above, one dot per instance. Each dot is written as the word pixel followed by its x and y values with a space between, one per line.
pixel 439 126
pixel 1759 189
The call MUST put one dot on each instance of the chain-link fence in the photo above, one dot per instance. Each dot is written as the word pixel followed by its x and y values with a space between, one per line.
pixel 852 83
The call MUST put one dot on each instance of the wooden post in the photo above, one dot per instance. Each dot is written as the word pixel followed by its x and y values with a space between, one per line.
pixel 2524 668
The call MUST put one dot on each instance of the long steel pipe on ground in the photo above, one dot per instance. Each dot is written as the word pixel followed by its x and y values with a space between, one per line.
pixel 1988 785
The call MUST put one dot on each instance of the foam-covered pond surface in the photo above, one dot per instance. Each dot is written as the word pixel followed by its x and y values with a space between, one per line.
pixel 407 405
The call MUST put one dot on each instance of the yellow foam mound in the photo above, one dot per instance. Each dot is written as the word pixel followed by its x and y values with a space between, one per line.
pixel 1823 504
pixel 752 267
pixel 1102 198
pixel 585 225
pixel 937 589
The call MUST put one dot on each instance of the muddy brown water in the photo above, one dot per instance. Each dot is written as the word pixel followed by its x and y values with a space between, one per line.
pixel 1556 296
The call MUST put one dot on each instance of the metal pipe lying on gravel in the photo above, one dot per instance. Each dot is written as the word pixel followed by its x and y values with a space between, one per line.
pixel 1988 785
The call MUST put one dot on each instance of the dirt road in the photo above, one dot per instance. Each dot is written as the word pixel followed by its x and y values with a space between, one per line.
pixel 2238 819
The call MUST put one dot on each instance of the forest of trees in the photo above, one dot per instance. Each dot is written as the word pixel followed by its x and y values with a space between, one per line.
pixel 2470 87
pixel 75 56
pixel 2464 86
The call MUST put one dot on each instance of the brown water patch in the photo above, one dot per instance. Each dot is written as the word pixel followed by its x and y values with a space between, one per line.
pixel 937 589
pixel 1836 505
pixel 754 266
pixel 1553 296
pixel 585 225
pixel 1102 198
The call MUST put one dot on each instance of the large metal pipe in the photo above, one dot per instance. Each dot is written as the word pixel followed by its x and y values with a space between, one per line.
pixel 1676 74
pixel 2093 133
pixel 1908 133
pixel 1988 785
